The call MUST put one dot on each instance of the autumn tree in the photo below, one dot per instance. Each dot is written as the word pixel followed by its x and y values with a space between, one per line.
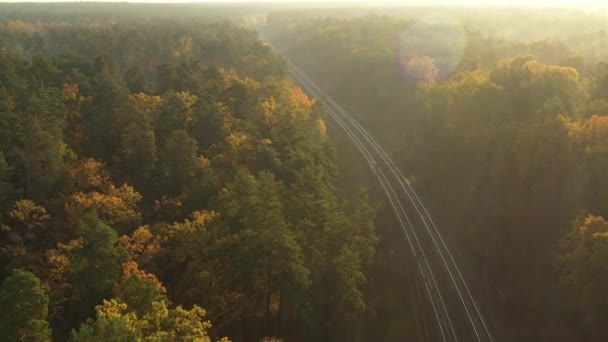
pixel 114 323
pixel 138 289
pixel 116 206
pixel 188 141
pixel 27 235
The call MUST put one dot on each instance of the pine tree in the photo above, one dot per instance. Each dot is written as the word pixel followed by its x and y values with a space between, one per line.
pixel 24 304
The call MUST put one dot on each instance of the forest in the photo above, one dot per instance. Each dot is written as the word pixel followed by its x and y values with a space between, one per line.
pixel 164 178
pixel 499 118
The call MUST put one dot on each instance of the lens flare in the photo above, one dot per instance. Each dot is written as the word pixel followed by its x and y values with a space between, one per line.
pixel 430 49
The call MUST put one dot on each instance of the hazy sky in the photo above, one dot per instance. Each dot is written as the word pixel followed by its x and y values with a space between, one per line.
pixel 551 3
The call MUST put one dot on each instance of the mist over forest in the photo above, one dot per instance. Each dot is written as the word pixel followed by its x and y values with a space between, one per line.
pixel 263 172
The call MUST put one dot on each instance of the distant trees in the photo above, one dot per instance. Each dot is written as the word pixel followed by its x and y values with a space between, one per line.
pixel 509 148
pixel 8 192
pixel 421 69
pixel 582 267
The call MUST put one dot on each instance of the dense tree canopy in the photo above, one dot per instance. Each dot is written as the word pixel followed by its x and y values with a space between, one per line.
pixel 158 160
pixel 154 167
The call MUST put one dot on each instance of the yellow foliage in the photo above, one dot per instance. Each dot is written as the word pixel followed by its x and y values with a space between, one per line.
pixel 553 73
pixel 149 104
pixel 70 91
pixel 88 173
pixel 203 161
pixel 204 217
pixel 110 309
pixel 593 225
pixel 140 243
pixel 126 193
pixel 268 109
pixel 115 206
pixel 237 139
pixel 159 324
pixel 525 70
pixel 322 128
pixel 189 101
pixel 59 265
pixel 29 213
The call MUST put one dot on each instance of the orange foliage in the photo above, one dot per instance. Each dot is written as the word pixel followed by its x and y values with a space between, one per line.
pixel 594 131
pixel 131 269
pixel 300 98
pixel 23 27
pixel 142 244
pixel 87 174
pixel 58 264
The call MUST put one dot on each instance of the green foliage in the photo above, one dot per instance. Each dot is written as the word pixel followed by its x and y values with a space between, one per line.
pixel 26 236
pixel 151 150
pixel 102 114
pixel 32 128
pixel 24 305
pixel 264 249
pixel 94 264
pixel 137 155
pixel 175 113
pixel 177 162
pixel 185 137
pixel 138 289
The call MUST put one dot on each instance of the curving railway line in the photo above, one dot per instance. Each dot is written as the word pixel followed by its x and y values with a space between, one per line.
pixel 456 314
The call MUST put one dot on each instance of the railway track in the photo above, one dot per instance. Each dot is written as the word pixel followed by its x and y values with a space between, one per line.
pixel 457 315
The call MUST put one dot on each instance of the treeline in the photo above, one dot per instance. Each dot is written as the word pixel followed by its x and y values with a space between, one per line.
pixel 151 169
pixel 102 13
pixel 508 143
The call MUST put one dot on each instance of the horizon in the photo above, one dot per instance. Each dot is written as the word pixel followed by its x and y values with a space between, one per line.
pixel 365 3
